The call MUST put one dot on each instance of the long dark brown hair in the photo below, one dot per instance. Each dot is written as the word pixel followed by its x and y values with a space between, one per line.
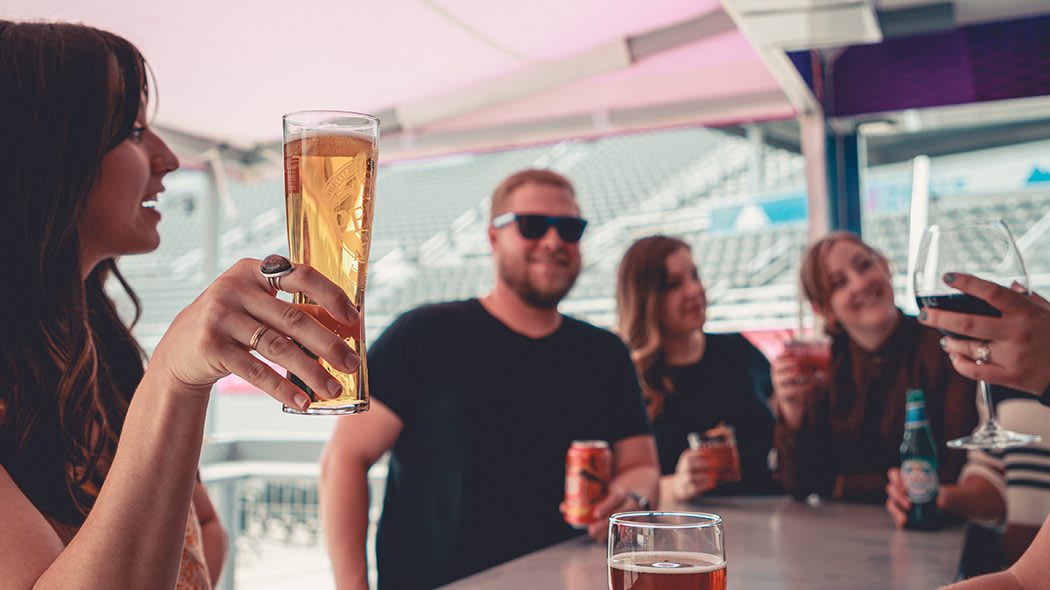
pixel 641 281
pixel 68 364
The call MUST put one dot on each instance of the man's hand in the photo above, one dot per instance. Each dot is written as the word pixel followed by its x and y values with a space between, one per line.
pixel 616 501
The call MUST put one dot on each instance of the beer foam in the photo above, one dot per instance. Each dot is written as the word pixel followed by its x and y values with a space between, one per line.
pixel 667 562
pixel 326 142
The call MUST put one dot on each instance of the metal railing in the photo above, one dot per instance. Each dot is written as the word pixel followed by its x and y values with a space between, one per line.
pixel 265 493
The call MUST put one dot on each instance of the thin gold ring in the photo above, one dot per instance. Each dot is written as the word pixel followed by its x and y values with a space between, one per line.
pixel 254 342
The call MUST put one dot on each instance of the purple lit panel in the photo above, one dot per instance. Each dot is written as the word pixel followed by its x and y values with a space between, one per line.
pixel 992 61
pixel 1010 60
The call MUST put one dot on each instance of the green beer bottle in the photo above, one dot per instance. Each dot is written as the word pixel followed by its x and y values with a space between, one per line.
pixel 919 465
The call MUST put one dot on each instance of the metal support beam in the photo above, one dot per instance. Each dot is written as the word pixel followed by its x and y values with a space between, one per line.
pixel 918 219
pixel 615 55
pixel 917 20
pixel 230 517
pixel 812 140
pixel 558 127
pixel 843 165
pixel 756 159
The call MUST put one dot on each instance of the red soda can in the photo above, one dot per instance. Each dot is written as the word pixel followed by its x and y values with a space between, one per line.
pixel 588 469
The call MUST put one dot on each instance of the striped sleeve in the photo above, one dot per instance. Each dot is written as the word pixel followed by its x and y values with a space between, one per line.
pixel 1027 468
pixel 987 465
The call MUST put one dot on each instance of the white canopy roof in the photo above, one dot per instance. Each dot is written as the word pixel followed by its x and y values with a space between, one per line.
pixel 441 74
pixel 447 75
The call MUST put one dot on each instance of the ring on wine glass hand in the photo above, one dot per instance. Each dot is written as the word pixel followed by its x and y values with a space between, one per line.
pixel 983 355
pixel 273 267
pixel 253 343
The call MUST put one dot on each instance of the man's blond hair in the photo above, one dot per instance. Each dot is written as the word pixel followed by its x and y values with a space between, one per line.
pixel 501 196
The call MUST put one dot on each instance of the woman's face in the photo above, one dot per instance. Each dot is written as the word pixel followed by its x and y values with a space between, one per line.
pixel 861 291
pixel 121 216
pixel 683 304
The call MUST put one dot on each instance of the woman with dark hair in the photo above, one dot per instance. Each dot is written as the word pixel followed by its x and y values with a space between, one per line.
pixel 692 381
pixel 838 439
pixel 80 171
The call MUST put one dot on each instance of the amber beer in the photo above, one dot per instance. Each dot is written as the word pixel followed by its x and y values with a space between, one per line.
pixel 330 171
pixel 666 551
pixel 671 570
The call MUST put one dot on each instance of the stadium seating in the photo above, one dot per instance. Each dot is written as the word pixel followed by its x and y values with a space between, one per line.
pixel 429 240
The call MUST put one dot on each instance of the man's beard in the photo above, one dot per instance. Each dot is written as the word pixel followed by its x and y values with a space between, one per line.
pixel 523 287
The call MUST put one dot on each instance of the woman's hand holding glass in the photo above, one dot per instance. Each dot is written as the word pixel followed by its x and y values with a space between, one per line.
pixel 1017 341
pixel 985 249
pixel 697 472
pixel 792 388
pixel 213 336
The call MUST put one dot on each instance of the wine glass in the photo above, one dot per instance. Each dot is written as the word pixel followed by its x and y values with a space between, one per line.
pixel 985 250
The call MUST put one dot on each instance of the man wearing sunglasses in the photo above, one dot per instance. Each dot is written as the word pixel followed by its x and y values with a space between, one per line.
pixel 478 401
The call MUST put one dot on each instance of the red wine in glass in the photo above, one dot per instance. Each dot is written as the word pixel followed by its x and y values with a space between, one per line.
pixel 958 302
pixel 988 251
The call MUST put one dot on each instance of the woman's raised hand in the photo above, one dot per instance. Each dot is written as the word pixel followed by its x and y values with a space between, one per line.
pixel 1016 345
pixel 792 388
pixel 213 336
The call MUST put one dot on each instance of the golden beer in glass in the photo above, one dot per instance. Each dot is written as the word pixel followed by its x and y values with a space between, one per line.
pixel 329 184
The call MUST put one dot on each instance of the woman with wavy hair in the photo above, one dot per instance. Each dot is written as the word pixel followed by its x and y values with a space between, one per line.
pixel 692 380
pixel 98 455
pixel 840 436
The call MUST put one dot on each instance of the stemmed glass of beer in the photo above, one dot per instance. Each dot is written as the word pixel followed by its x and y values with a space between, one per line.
pixel 329 184
pixel 666 551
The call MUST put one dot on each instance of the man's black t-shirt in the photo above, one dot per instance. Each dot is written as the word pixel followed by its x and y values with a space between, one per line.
pixel 729 384
pixel 478 471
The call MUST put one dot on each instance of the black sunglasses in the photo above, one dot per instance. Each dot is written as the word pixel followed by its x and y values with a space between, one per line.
pixel 534 227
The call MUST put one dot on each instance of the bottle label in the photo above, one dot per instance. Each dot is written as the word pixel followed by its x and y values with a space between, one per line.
pixel 914 414
pixel 920 480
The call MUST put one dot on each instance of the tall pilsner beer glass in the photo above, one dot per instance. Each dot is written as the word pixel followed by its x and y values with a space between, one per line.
pixel 329 187
pixel 666 551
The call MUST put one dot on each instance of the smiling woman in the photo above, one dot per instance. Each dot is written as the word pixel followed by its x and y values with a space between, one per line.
pixel 121 216
pixel 693 381
pixel 80 171
pixel 840 438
